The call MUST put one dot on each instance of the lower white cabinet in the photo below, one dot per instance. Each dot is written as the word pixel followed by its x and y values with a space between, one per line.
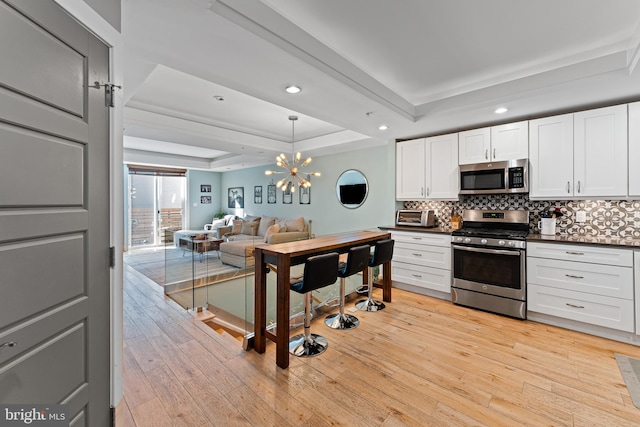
pixel 422 260
pixel 583 283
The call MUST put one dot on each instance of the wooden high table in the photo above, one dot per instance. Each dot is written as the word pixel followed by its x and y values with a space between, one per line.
pixel 284 255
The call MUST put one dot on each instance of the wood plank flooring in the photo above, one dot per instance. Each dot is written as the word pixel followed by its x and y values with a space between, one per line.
pixel 420 362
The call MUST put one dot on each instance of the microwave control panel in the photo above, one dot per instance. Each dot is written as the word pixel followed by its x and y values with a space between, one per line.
pixel 516 177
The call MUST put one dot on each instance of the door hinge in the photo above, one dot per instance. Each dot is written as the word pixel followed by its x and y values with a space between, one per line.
pixel 109 90
pixel 112 256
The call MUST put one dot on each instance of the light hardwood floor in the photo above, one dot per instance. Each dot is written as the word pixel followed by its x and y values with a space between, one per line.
pixel 421 362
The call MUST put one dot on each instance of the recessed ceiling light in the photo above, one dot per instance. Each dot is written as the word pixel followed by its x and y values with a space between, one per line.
pixel 293 89
pixel 501 110
pixel 218 98
pixel 383 127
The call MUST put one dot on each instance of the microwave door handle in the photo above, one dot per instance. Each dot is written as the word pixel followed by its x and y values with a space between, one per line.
pixel 486 251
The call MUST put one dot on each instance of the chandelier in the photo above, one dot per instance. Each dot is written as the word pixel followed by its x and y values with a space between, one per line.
pixel 292 168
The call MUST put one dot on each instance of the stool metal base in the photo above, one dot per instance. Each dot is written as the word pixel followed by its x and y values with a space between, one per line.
pixel 312 346
pixel 341 321
pixel 370 304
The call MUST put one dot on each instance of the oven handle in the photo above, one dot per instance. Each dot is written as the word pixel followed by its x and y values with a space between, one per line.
pixel 487 251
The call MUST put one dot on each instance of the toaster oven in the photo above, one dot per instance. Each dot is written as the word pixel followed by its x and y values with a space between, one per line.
pixel 416 218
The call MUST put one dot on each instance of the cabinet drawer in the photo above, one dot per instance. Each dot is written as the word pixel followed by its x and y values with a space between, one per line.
pixel 426 256
pixel 607 280
pixel 598 310
pixel 434 239
pixel 581 253
pixel 424 277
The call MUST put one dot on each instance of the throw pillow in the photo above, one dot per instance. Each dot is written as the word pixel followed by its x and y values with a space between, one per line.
pixel 237 226
pixel 273 229
pixel 265 223
pixel 249 227
pixel 293 224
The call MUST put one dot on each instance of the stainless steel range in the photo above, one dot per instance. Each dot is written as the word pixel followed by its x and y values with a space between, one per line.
pixel 489 262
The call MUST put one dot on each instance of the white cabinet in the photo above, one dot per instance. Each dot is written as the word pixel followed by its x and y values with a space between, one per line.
pixel 634 149
pixel 579 155
pixel 587 284
pixel 474 146
pixel 410 170
pixel 422 260
pixel 427 168
pixel 442 175
pixel 497 143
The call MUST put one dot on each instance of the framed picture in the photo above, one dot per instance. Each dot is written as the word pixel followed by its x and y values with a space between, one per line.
pixel 236 197
pixel 287 198
pixel 205 200
pixel 305 195
pixel 205 188
pixel 271 193
pixel 257 194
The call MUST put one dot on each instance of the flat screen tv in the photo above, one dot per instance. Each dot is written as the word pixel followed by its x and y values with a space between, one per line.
pixel 352 194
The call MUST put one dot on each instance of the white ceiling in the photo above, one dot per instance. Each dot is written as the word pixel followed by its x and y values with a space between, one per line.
pixel 419 66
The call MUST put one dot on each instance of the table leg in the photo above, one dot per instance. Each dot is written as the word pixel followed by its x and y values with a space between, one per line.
pixel 386 282
pixel 283 305
pixel 260 309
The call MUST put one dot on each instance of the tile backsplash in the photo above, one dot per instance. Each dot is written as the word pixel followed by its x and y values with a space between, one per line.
pixel 620 218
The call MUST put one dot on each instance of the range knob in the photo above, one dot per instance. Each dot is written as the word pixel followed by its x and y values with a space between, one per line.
pixel 483 241
pixel 459 239
pixel 467 240
pixel 501 242
pixel 512 244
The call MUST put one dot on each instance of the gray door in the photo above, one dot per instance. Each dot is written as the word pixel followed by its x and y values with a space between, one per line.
pixel 54 213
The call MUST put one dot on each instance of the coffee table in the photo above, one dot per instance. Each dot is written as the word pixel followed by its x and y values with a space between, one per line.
pixel 201 246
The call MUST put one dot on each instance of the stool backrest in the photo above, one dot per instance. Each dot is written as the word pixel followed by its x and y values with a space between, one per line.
pixel 319 271
pixel 383 252
pixel 357 260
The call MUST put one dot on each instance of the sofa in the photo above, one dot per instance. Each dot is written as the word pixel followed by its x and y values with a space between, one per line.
pixel 244 235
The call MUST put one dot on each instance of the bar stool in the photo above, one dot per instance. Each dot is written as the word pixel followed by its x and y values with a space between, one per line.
pixel 319 271
pixel 382 253
pixel 357 260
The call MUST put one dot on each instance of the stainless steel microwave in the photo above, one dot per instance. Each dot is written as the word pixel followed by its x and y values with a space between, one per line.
pixel 495 177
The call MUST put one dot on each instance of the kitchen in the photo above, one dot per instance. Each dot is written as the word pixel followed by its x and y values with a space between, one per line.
pixel 575 172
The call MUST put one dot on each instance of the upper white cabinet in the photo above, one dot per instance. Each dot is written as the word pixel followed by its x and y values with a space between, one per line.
pixel 579 155
pixel 427 168
pixel 634 150
pixel 410 169
pixel 474 146
pixel 442 167
pixel 497 143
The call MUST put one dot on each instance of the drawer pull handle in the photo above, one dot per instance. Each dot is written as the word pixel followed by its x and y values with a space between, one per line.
pixel 574 306
pixel 574 253
pixel 415 254
pixel 417 275
pixel 8 344
pixel 417 238
pixel 574 277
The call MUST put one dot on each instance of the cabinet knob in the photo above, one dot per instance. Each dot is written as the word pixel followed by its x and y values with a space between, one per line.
pixel 8 344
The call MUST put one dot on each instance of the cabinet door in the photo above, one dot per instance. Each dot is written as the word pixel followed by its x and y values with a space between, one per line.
pixel 510 141
pixel 634 150
pixel 442 167
pixel 410 170
pixel 600 152
pixel 474 146
pixel 551 157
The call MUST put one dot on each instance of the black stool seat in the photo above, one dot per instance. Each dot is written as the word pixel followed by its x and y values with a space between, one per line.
pixel 357 261
pixel 319 271
pixel 383 253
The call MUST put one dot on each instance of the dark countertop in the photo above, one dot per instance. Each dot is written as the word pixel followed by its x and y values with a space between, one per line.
pixel 438 230
pixel 614 241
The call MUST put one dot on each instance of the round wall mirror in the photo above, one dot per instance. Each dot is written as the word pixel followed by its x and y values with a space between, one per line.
pixel 352 188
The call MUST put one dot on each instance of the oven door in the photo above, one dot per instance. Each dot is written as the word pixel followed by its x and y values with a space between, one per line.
pixel 498 272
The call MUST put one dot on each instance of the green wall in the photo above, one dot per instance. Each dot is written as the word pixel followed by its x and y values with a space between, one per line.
pixel 328 216
pixel 199 213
